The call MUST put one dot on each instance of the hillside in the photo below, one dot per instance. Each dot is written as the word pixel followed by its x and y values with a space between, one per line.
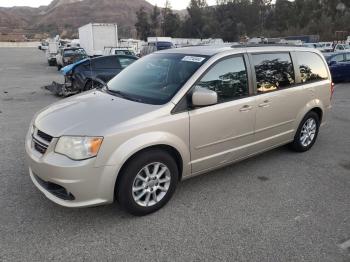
pixel 66 16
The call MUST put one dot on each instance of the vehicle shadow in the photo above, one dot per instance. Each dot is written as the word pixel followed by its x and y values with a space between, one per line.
pixel 188 188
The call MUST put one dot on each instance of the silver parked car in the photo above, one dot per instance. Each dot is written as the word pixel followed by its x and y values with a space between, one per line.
pixel 172 115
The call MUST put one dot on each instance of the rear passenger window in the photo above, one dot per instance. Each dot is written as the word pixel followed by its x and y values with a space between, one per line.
pixel 125 61
pixel 228 78
pixel 311 66
pixel 273 71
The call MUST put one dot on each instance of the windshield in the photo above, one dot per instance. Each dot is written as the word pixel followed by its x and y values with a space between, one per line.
pixel 75 52
pixel 123 52
pixel 156 78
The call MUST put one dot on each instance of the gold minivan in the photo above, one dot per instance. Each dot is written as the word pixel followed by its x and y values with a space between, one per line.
pixel 175 114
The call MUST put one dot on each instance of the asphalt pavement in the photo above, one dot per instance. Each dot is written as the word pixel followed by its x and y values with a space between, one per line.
pixel 278 206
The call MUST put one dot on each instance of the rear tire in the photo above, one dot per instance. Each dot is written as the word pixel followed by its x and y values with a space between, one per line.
pixel 147 182
pixel 307 133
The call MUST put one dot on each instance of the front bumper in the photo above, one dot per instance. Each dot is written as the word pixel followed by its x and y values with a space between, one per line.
pixel 77 183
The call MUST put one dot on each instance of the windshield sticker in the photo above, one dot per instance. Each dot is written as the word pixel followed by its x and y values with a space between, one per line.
pixel 195 59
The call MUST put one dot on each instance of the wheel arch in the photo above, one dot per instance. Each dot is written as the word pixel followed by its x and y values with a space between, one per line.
pixel 167 148
pixel 316 106
pixel 318 111
pixel 125 152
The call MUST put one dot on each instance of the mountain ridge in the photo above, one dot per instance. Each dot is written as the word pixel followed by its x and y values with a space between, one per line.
pixel 64 17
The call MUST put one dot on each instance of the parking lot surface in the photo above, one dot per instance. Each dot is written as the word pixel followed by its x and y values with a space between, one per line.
pixel 278 206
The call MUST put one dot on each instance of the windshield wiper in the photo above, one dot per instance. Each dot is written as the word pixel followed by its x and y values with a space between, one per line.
pixel 122 94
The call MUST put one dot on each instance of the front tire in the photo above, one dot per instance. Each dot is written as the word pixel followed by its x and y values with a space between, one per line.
pixel 307 133
pixel 147 182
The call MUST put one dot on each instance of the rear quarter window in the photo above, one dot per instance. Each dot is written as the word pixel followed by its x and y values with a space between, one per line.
pixel 311 67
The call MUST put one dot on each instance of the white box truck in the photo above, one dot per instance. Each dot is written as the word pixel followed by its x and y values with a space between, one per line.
pixel 95 37
pixel 51 52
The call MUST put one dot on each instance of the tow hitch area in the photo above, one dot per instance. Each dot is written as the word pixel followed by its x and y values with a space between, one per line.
pixel 62 90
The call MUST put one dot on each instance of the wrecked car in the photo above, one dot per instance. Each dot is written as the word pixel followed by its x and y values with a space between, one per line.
pixel 90 73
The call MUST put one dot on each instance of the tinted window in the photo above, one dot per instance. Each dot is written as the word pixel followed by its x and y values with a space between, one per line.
pixel 164 45
pixel 228 79
pixel 311 66
pixel 123 52
pixel 347 57
pixel 110 62
pixel 273 71
pixel 74 52
pixel 155 78
pixel 337 58
pixel 125 61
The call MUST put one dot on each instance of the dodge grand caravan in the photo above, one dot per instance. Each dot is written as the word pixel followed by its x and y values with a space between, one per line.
pixel 175 114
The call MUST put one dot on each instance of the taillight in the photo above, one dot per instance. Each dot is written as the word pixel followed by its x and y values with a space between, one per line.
pixel 332 89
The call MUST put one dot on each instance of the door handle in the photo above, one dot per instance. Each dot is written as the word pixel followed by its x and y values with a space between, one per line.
pixel 246 108
pixel 266 103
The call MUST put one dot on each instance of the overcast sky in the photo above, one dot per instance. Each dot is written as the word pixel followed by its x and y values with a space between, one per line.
pixel 176 4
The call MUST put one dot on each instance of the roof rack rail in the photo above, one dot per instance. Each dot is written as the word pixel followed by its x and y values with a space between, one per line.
pixel 261 45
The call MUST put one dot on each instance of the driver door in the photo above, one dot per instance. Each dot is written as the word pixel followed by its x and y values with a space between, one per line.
pixel 220 133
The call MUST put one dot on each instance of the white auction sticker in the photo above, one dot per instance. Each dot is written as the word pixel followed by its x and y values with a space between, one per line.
pixel 195 59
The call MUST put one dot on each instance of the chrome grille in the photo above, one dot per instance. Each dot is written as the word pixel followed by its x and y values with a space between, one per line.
pixel 40 147
pixel 44 136
pixel 41 141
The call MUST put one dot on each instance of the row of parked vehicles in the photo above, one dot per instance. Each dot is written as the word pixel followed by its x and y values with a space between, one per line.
pixel 82 73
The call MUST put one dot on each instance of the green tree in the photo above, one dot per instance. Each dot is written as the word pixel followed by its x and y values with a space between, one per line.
pixel 155 21
pixel 196 21
pixel 142 25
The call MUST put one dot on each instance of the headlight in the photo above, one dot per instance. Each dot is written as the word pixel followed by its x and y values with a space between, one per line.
pixel 78 148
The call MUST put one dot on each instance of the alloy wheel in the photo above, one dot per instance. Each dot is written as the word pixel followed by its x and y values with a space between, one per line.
pixel 151 184
pixel 308 132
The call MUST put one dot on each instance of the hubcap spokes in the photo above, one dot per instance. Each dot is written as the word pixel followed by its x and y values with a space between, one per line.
pixel 151 184
pixel 308 132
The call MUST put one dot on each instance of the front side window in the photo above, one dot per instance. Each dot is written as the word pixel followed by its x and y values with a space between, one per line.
pixel 228 78
pixel 311 66
pixel 273 71
pixel 155 78
pixel 107 62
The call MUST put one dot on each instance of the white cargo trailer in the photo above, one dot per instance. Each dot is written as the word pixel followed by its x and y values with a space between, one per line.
pixel 95 37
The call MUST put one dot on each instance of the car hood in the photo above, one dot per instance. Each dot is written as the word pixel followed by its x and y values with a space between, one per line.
pixel 93 113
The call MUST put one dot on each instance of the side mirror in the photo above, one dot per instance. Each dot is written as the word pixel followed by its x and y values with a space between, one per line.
pixel 204 97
